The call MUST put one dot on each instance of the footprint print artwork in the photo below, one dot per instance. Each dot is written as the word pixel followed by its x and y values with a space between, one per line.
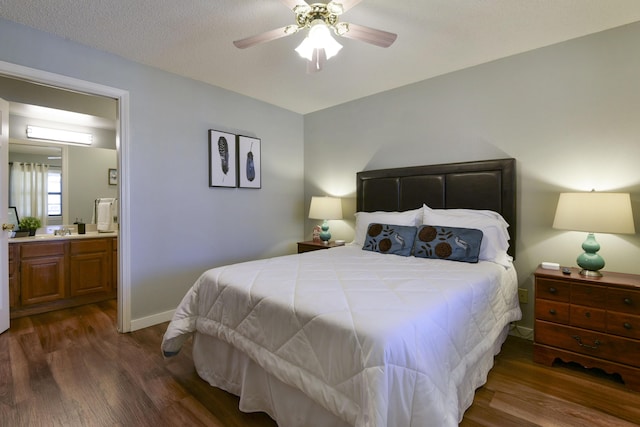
pixel 251 169
pixel 223 149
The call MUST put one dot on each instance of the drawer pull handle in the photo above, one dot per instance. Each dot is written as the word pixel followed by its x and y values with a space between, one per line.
pixel 627 325
pixel 595 345
pixel 552 311
pixel 553 290
pixel 588 315
pixel 628 301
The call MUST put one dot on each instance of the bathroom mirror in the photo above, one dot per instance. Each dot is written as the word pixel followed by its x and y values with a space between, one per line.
pixel 83 172
pixel 84 169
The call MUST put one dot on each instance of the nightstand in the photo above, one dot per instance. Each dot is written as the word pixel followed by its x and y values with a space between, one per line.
pixel 310 245
pixel 592 321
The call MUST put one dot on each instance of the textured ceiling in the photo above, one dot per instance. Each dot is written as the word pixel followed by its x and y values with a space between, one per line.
pixel 194 38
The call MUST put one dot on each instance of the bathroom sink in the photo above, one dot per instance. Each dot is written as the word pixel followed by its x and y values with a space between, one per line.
pixel 48 236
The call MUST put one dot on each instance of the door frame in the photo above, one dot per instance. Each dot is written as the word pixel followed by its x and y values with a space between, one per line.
pixel 122 146
pixel 5 303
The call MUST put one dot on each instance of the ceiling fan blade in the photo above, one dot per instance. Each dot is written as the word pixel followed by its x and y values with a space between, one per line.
pixel 265 37
pixel 370 35
pixel 293 3
pixel 347 4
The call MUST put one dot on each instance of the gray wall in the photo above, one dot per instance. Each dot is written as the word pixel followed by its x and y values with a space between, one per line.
pixel 88 180
pixel 180 226
pixel 569 114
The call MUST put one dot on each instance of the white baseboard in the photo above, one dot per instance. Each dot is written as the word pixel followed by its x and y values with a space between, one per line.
pixel 145 322
pixel 521 331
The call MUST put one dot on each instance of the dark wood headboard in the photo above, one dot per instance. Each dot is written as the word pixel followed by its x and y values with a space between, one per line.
pixel 487 184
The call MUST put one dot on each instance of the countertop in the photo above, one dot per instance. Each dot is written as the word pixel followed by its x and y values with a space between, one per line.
pixel 52 238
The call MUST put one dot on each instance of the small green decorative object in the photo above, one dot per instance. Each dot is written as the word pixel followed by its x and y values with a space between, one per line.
pixel 590 261
pixel 325 236
pixel 30 223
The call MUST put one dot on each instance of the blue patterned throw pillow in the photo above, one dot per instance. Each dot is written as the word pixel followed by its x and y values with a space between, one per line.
pixel 451 243
pixel 390 239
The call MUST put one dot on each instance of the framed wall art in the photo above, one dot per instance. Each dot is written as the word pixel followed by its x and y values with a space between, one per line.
pixel 249 171
pixel 222 159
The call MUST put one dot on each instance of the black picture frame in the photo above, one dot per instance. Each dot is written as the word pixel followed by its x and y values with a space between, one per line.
pixel 222 159
pixel 249 162
pixel 13 218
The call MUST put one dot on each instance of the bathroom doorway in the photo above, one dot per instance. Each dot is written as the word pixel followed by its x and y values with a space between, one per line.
pixel 44 81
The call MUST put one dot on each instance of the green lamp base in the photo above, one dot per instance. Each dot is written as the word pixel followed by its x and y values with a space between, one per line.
pixel 325 236
pixel 590 261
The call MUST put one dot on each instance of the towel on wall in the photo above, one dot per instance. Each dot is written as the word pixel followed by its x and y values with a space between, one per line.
pixel 105 214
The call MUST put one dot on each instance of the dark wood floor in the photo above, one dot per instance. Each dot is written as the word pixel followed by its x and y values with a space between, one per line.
pixel 71 368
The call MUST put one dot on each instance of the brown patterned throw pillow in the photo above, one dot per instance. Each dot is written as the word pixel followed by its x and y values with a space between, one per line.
pixel 390 239
pixel 451 243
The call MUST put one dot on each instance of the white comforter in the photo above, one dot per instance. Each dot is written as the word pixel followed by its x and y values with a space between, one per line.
pixel 378 340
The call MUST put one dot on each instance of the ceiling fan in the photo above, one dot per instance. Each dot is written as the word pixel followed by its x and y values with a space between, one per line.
pixel 319 19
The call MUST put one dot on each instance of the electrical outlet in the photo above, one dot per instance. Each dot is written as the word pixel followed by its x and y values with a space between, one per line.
pixel 523 295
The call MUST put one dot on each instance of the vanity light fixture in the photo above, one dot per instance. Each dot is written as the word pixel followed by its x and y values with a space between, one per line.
pixel 594 212
pixel 59 135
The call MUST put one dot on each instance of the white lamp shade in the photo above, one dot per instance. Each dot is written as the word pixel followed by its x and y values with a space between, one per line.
pixel 595 212
pixel 325 208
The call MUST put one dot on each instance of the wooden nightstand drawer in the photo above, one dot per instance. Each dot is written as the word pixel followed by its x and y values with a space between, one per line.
pixel 624 300
pixel 592 296
pixel 587 317
pixel 552 290
pixel 552 311
pixel 623 324
pixel 600 345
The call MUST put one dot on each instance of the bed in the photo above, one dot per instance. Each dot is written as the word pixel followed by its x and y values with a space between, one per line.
pixel 368 334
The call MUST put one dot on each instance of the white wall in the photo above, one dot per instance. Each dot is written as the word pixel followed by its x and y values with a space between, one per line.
pixel 568 113
pixel 180 226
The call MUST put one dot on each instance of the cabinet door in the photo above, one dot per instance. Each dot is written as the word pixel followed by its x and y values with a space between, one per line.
pixel 89 273
pixel 114 265
pixel 14 282
pixel 90 266
pixel 42 279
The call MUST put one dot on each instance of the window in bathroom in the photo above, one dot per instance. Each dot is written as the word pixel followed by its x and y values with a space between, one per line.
pixel 54 188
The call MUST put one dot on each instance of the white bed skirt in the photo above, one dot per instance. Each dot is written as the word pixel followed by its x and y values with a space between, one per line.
pixel 222 366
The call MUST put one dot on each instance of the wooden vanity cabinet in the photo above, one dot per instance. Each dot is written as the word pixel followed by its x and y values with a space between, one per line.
pixel 50 275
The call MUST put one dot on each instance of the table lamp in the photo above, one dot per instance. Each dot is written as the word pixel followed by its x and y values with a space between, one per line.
pixel 325 208
pixel 594 212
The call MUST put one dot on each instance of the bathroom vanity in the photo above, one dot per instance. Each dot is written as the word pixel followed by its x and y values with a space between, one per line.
pixel 50 272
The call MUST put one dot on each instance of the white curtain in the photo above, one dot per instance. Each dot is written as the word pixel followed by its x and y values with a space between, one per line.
pixel 28 192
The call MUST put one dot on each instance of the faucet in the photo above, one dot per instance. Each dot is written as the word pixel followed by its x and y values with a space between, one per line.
pixel 64 231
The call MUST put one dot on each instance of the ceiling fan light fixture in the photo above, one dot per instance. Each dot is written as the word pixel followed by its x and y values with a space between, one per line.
pixel 341 28
pixel 335 8
pixel 319 38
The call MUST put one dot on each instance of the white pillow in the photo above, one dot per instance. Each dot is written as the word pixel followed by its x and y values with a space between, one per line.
pixel 495 241
pixel 363 219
